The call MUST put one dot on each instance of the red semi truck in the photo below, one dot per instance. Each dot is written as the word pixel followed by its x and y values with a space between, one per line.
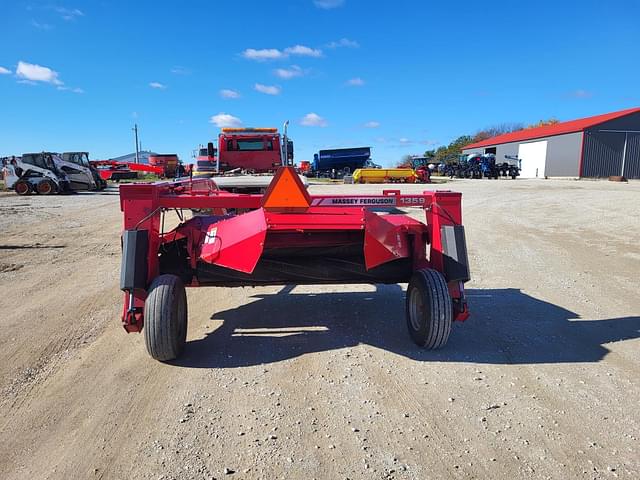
pixel 247 150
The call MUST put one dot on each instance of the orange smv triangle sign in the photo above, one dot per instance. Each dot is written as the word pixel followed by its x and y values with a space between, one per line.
pixel 286 192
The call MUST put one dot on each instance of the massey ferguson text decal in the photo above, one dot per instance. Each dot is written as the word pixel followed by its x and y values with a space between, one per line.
pixel 387 201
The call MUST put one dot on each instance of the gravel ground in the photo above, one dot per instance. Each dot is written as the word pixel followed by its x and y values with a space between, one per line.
pixel 323 382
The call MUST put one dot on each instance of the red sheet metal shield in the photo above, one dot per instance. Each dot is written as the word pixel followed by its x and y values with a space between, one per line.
pixel 385 237
pixel 236 242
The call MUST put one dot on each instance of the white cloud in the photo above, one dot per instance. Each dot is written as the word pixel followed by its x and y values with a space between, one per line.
pixel 313 120
pixel 228 93
pixel 288 73
pixel 69 89
pixel 41 26
pixel 371 124
pixel 4 71
pixel 267 89
pixel 328 4
pixel 404 141
pixel 355 82
pixel 303 51
pixel 178 70
pixel 222 120
pixel 344 42
pixel 157 85
pixel 581 93
pixel 69 13
pixel 37 73
pixel 263 54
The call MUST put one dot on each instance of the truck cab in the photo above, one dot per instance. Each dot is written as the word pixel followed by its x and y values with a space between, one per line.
pixel 205 165
pixel 255 150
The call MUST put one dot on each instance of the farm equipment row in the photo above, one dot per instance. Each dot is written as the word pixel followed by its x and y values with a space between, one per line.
pixel 161 165
pixel 480 166
pixel 47 173
pixel 287 236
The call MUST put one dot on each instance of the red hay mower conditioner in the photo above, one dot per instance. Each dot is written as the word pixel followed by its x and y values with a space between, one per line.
pixel 287 236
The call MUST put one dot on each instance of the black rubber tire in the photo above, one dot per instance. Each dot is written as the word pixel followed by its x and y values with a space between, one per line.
pixel 46 187
pixel 430 313
pixel 22 187
pixel 165 318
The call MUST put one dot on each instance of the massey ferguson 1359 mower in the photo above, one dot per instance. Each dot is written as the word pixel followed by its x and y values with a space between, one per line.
pixel 287 236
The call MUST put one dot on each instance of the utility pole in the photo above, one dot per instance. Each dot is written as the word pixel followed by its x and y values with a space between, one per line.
pixel 135 129
pixel 285 147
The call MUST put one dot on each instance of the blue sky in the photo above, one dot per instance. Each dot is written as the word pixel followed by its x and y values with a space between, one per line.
pixel 399 76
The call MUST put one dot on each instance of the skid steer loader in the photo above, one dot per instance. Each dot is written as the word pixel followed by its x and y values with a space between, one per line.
pixel 48 173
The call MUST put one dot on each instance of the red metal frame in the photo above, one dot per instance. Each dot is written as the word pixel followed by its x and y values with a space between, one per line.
pixel 118 167
pixel 329 220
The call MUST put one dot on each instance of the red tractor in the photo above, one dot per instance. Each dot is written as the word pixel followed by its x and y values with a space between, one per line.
pixel 285 237
pixel 420 165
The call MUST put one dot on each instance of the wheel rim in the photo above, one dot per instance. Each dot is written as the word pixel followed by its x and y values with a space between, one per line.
pixel 22 188
pixel 44 188
pixel 415 309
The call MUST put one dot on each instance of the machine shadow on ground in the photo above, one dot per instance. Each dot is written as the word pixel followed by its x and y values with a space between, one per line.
pixel 506 327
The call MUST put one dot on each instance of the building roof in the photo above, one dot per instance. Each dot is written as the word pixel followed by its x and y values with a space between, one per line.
pixel 143 156
pixel 550 130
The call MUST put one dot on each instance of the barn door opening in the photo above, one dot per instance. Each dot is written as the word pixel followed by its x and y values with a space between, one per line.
pixel 533 158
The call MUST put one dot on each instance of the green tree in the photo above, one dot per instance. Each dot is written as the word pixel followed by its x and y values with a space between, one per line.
pixel 405 162
pixel 496 130
pixel 448 153
pixel 544 123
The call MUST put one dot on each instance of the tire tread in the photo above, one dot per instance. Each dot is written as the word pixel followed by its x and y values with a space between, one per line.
pixel 437 300
pixel 160 314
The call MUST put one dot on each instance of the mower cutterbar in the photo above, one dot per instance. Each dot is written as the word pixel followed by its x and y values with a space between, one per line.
pixel 287 236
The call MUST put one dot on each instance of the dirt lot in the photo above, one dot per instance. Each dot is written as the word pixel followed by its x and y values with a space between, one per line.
pixel 323 382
